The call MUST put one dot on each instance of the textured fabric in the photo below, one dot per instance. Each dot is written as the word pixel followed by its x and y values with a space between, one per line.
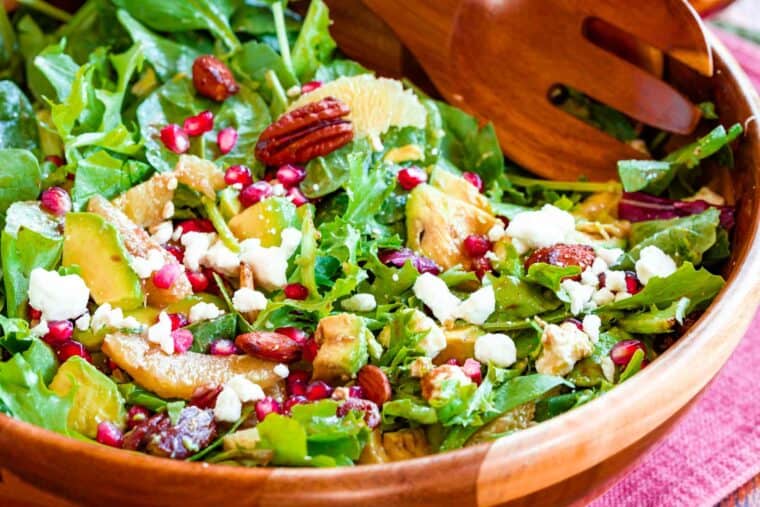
pixel 716 448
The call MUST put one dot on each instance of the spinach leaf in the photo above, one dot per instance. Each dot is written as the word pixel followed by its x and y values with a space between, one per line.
pixel 325 175
pixel 654 321
pixel 20 178
pixel 255 18
pixel 255 58
pixel 339 68
pixel 18 125
pixel 314 45
pixel 516 299
pixel 208 331
pixel 409 409
pixel 58 68
pixel 135 395
pixel 103 174
pixel 654 176
pixel 550 276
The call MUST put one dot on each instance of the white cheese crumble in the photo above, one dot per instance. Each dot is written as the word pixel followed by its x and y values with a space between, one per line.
pixel 162 233
pixel 245 389
pixel 40 329
pixel 577 294
pixel 590 278
pixel 497 232
pixel 204 311
pixel 615 281
pixel 160 333
pixel 270 264
pixel 435 294
pixel 57 297
pixel 435 339
pixel 281 370
pixel 478 306
pixel 83 322
pixel 248 300
pixel 228 407
pixel 609 255
pixel 599 266
pixel 168 211
pixel 496 348
pixel 361 302
pixel 591 326
pixel 196 245
pixel 654 262
pixel 603 296
pixel 537 229
pixel 221 259
pixel 563 346
pixel 146 266
pixel 106 316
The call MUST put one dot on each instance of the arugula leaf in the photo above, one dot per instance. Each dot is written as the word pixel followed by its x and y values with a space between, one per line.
pixel 20 178
pixel 516 299
pixel 409 409
pixel 18 125
pixel 549 275
pixel 58 68
pixel 314 45
pixel 207 331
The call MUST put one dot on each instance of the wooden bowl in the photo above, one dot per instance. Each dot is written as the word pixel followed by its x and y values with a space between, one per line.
pixel 567 459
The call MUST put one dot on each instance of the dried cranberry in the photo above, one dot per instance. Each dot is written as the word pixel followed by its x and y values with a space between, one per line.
pixel 222 348
pixel 70 349
pixel 255 193
pixel 56 201
pixel 205 396
pixel 175 138
pixel 136 415
pixel 290 175
pixel 199 124
pixel 410 177
pixel 474 179
pixel 238 174
pixel 55 160
pixel 293 401
pixel 198 280
pixel 183 340
pixel 298 335
pixel 473 370
pixel 296 196
pixel 226 139
pixel 476 245
pixel 109 434
pixel 165 277
pixel 371 412
pixel 310 86
pixel 59 332
pixel 623 351
pixel 267 406
pixel 310 349
pixel 318 390
pixel 296 291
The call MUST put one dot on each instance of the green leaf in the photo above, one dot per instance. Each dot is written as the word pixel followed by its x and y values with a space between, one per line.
pixel 285 437
pixel 207 331
pixel 692 154
pixel 634 365
pixel 325 175
pixel 105 175
pixel 18 125
pixel 255 18
pixel 20 178
pixel 255 58
pixel 135 395
pixel 339 68
pixel 653 176
pixel 409 409
pixel 654 321
pixel 58 68
pixel 516 299
pixel 549 275
pixel 314 45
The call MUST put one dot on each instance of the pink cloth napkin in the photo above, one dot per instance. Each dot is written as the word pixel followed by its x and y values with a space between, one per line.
pixel 716 448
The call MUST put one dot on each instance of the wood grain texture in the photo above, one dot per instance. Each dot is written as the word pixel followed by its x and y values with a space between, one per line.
pixel 564 459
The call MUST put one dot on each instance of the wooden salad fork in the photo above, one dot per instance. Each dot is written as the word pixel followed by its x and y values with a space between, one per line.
pixel 500 59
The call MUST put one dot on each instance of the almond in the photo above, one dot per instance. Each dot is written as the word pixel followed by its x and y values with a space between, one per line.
pixel 270 346
pixel 375 384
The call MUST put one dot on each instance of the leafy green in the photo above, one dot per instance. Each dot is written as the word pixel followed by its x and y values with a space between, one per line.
pixel 20 178
pixel 409 409
pixel 58 68
pixel 549 275
pixel 207 331
pixel 135 395
pixel 103 174
pixel 255 58
pixel 18 125
pixel 314 45
pixel 516 299
pixel 339 68
pixel 654 176
pixel 327 174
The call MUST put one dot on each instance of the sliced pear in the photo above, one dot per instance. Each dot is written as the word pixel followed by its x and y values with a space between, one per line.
pixel 178 375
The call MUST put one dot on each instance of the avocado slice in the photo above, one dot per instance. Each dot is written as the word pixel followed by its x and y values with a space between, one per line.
pixel 265 220
pixel 343 340
pixel 94 245
pixel 437 224
pixel 460 344
pixel 229 203
pixel 96 397
pixel 458 188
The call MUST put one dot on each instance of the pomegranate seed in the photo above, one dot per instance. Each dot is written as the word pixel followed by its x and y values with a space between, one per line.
pixel 183 340
pixel 165 277
pixel 453 361
pixel 223 348
pixel 55 159
pixel 109 434
pixel 175 139
pixel 481 266
pixel 296 291
pixel 293 401
pixel 238 174
pixel 623 351
pixel 177 251
pixel 70 349
pixel 296 196
pixel 178 320
pixel 371 412
pixel 577 323
pixel 300 376
pixel 476 245
pixel 296 382
pixel 410 177
pixel 474 180
pixel 59 332
pixel 632 284
pixel 34 314
pixel 199 124
pixel 196 225
pixel 267 406
pixel 310 86
pixel 198 280
pixel 226 139
pixel 290 175
pixel 255 192
pixel 318 390
pixel 472 369
pixel 310 349
pixel 56 201
pixel 136 415
pixel 205 396
pixel 112 366
pixel 355 392
pixel 297 335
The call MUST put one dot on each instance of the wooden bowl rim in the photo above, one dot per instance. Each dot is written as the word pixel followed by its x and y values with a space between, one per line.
pixel 525 446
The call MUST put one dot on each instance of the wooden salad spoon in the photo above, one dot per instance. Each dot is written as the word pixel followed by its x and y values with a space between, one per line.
pixel 500 59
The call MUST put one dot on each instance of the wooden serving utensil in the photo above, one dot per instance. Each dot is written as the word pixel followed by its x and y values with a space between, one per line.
pixel 500 59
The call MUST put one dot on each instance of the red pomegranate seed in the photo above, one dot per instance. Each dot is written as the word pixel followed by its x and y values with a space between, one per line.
pixel 238 174
pixel 227 139
pixel 56 201
pixel 267 406
pixel 474 179
pixel 255 192
pixel 318 390
pixel 632 284
pixel 293 401
pixel 298 335
pixel 296 196
pixel 310 86
pixel 223 348
pixel 177 251
pixel 205 396
pixel 34 314
pixel 296 291
pixel 178 320
pixel 410 177
pixel 135 415
pixel 183 340
pixel 290 175
pixel 371 412
pixel 623 351
pixel 165 277
pixel 310 349
pixel 199 124
pixel 296 382
pixel 577 323
pixel 453 361
pixel 70 349
pixel 472 369
pixel 175 139
pixel 109 434
pixel 476 245
pixel 198 280
pixel 481 266
pixel 55 159
pixel 59 332
pixel 196 225
pixel 355 392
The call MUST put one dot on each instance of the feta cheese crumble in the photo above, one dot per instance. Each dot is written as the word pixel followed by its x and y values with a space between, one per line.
pixel 478 306
pixel 591 326
pixel 40 329
pixel 248 300
pixel 361 302
pixel 83 322
pixel 270 264
pixel 245 389
pixel 537 229
pixel 435 294
pixel 196 245
pixel 57 297
pixel 577 294
pixel 146 266
pixel 435 340
pixel 281 370
pixel 228 406
pixel 160 333
pixel 615 281
pixel 496 348
pixel 107 317
pixel 204 311
pixel 221 259
pixel 654 262
pixel 162 233
pixel 563 346
pixel 609 255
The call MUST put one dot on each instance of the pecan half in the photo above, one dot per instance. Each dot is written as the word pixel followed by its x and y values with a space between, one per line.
pixel 213 79
pixel 563 255
pixel 311 131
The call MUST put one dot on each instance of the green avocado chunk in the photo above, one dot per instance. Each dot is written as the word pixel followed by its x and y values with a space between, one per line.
pixel 266 220
pixel 343 350
pixel 94 245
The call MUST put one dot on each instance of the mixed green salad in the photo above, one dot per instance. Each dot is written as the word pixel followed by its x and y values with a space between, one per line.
pixel 223 241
